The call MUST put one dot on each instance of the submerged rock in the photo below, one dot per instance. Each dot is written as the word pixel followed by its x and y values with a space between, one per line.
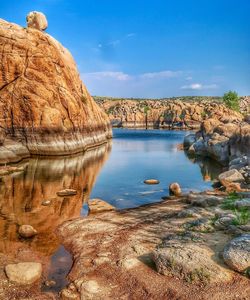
pixel 27 231
pixel 151 181
pixel 98 206
pixel 174 189
pixel 236 254
pixel 24 273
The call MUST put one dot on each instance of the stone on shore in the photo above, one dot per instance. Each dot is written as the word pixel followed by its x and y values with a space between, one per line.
pixel 37 20
pixel 244 203
pixel 151 181
pixel 66 192
pixel 27 231
pixel 236 254
pixel 232 175
pixel 24 272
pixel 174 189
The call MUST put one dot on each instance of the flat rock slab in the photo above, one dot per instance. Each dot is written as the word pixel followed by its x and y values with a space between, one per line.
pixel 151 181
pixel 24 273
pixel 66 192
pixel 190 261
pixel 98 206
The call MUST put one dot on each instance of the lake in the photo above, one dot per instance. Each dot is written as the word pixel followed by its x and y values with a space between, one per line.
pixel 113 172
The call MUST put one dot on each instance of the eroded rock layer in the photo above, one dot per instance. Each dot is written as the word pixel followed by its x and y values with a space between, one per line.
pixel 45 109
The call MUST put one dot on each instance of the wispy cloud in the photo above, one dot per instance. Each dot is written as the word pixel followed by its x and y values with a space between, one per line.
pixel 129 35
pixel 161 74
pixel 120 76
pixel 199 87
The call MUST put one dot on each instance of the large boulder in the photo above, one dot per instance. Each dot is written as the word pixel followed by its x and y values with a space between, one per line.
pixel 236 254
pixel 44 106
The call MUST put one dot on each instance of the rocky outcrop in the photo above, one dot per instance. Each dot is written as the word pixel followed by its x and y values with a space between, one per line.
pixel 45 109
pixel 223 140
pixel 171 113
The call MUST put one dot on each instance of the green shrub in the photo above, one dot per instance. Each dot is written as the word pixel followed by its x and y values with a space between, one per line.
pixel 242 216
pixel 231 100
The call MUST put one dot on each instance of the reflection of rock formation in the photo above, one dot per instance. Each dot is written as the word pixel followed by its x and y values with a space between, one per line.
pixel 210 169
pixel 22 194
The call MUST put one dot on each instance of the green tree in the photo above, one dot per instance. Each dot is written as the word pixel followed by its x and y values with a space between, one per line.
pixel 231 100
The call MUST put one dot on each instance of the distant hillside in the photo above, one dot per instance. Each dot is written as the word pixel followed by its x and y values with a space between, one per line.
pixel 176 112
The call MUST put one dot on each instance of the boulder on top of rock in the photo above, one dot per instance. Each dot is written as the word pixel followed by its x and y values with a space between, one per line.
pixel 232 175
pixel 151 181
pixel 174 189
pixel 98 206
pixel 24 273
pixel 27 231
pixel 37 20
pixel 66 192
pixel 236 254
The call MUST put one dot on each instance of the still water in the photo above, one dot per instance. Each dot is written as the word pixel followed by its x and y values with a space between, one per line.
pixel 142 154
pixel 113 172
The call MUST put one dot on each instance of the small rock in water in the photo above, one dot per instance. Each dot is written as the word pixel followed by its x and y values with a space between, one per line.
pixel 174 189
pixel 24 273
pixel 66 192
pixel 50 283
pixel 37 20
pixel 151 181
pixel 27 231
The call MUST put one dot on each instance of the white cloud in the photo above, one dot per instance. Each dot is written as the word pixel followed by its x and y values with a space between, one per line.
pixel 199 87
pixel 162 74
pixel 114 43
pixel 121 76
pixel 189 78
pixel 129 35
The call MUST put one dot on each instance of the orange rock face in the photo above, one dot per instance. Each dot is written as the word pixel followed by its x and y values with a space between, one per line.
pixel 44 106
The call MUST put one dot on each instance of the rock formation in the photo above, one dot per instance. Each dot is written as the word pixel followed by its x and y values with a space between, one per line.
pixel 172 113
pixel 45 109
pixel 222 139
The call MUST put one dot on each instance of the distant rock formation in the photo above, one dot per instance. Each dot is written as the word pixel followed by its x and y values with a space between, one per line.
pixel 180 113
pixel 45 109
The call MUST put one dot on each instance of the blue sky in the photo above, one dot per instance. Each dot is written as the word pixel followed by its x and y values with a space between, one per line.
pixel 145 48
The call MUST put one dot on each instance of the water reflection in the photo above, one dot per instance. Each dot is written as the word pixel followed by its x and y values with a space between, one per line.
pixel 209 168
pixel 22 194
